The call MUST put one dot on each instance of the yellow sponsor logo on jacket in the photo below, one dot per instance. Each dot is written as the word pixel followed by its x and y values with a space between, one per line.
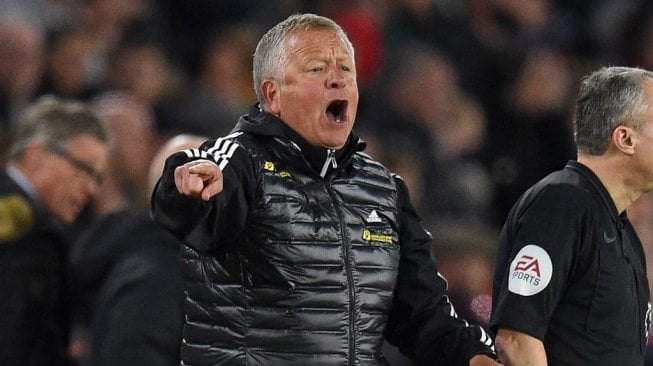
pixel 16 217
pixel 380 238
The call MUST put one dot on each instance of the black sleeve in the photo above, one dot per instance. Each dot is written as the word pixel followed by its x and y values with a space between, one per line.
pixel 422 322
pixel 536 255
pixel 216 224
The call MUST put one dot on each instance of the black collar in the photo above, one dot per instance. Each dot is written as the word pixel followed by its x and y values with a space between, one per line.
pixel 263 123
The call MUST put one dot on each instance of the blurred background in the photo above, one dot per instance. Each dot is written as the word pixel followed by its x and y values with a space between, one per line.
pixel 470 101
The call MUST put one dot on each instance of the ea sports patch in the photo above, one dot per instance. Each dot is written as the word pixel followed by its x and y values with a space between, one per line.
pixel 530 271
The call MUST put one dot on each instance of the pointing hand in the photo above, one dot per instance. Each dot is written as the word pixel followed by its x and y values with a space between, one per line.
pixel 200 178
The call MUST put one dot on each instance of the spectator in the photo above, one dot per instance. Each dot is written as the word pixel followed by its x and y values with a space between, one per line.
pixel 223 84
pixel 171 146
pixel 21 51
pixel 67 57
pixel 138 65
pixel 529 135
pixel 135 139
pixel 428 114
pixel 105 22
pixel 56 164
pixel 433 23
pixel 124 268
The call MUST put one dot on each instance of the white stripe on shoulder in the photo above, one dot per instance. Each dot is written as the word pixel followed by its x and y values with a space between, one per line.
pixel 220 141
pixel 485 338
pixel 224 149
pixel 196 153
pixel 223 159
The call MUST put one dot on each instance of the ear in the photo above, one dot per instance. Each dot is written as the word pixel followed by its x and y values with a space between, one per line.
pixel 271 96
pixel 624 139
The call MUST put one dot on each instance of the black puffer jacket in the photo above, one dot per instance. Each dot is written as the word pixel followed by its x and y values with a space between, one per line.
pixel 305 258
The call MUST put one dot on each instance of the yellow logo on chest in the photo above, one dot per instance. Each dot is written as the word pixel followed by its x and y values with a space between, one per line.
pixel 270 167
pixel 370 236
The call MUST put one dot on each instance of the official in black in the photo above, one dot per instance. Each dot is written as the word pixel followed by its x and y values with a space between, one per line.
pixel 570 285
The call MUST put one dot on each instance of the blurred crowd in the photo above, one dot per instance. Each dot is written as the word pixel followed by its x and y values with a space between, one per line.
pixel 480 90
pixel 470 101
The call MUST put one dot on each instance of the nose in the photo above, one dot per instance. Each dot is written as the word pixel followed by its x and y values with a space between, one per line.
pixel 336 78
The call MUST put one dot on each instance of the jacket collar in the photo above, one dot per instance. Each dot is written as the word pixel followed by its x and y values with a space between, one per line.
pixel 260 123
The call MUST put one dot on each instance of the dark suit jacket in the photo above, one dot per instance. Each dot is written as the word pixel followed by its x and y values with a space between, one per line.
pixel 33 320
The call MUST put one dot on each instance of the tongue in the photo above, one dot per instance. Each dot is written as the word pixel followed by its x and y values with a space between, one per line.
pixel 335 114
pixel 332 117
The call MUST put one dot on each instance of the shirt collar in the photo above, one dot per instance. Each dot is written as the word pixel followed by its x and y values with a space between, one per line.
pixel 599 187
pixel 24 184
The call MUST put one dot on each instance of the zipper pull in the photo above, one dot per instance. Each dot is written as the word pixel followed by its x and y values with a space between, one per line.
pixel 330 160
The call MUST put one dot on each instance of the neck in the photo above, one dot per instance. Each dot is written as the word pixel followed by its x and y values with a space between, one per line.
pixel 617 177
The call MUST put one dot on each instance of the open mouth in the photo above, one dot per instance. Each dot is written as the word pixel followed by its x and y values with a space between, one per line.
pixel 336 110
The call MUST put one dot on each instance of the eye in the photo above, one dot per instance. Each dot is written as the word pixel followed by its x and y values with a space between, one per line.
pixel 316 69
pixel 345 68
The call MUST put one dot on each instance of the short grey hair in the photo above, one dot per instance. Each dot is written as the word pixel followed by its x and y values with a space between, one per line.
pixel 607 98
pixel 271 52
pixel 54 121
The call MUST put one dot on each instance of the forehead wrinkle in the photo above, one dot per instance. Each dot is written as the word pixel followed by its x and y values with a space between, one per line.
pixel 333 48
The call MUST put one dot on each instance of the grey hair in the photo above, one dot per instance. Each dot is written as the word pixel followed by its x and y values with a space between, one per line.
pixel 54 121
pixel 271 52
pixel 607 98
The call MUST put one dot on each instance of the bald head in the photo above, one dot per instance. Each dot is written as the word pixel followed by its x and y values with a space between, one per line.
pixel 173 145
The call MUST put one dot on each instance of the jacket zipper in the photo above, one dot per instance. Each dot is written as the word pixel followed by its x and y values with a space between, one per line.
pixel 330 160
pixel 346 246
